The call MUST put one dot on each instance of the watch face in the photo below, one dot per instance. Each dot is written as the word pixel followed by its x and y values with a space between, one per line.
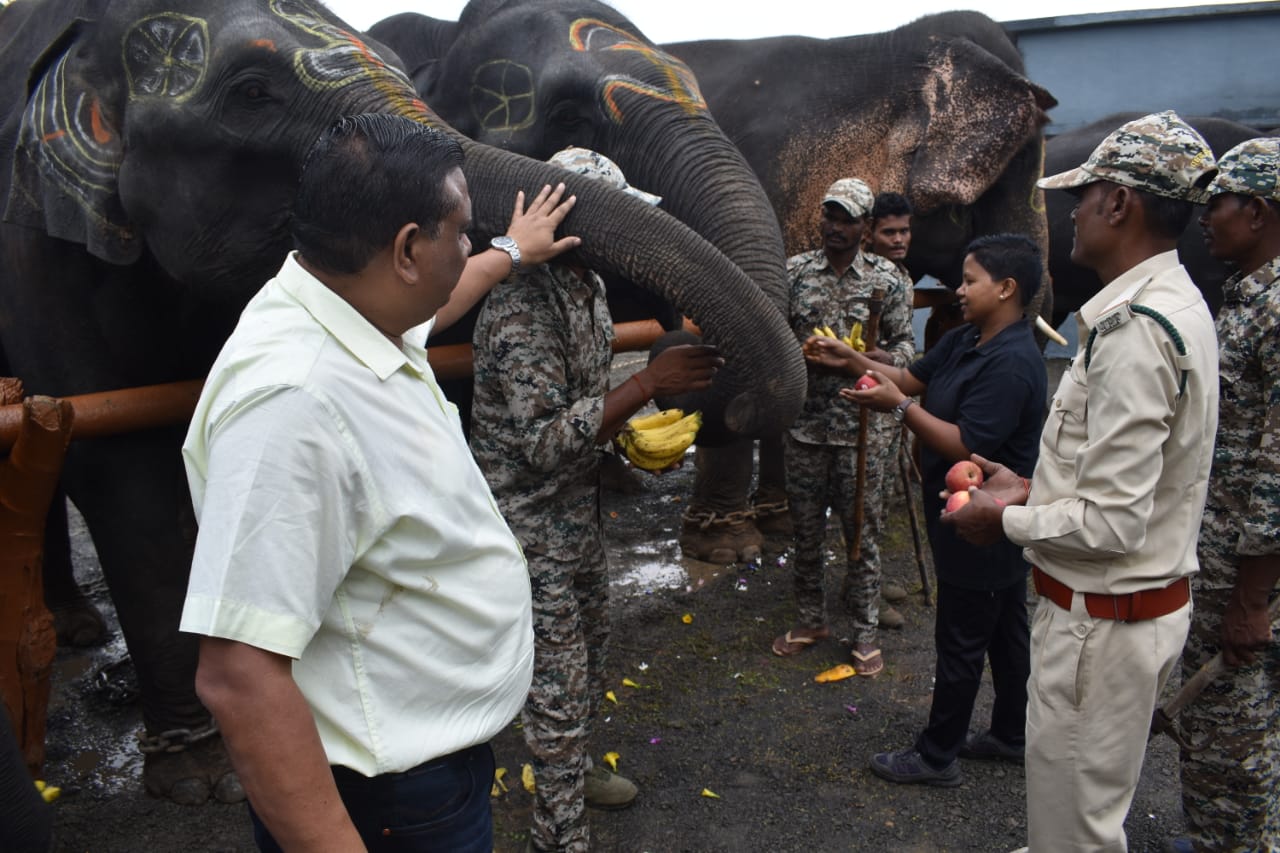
pixel 503 242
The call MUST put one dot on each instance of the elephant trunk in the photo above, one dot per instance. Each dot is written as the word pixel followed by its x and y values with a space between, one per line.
pixel 762 386
pixel 707 184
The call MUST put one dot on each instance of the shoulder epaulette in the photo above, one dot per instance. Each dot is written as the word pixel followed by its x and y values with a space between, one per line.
pixel 1114 319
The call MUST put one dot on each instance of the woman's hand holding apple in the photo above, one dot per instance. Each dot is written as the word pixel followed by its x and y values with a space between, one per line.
pixel 881 396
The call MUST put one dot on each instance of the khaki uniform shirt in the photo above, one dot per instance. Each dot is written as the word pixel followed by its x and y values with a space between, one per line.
pixel 1117 496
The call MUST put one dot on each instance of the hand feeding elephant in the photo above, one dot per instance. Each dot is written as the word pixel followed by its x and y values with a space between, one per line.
pixel 535 76
pixel 1073 284
pixel 150 154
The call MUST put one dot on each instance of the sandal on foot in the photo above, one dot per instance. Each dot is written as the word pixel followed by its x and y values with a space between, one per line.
pixel 792 644
pixel 868 663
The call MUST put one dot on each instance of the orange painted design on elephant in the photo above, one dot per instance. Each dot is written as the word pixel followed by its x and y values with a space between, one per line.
pixel 101 133
pixel 680 87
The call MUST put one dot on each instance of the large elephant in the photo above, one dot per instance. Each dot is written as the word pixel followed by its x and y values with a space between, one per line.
pixel 150 151
pixel 938 109
pixel 1073 284
pixel 534 76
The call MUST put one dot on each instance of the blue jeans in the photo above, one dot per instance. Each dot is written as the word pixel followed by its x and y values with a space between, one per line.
pixel 441 806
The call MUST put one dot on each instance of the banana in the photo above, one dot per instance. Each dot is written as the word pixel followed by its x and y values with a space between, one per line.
pixel 826 330
pixel 817 331
pixel 855 338
pixel 663 418
pixel 660 447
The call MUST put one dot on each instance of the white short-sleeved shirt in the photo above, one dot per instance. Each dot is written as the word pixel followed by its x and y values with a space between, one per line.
pixel 344 523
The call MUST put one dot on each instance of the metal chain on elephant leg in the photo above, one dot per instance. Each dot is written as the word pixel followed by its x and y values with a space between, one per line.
pixel 720 537
pixel 773 518
pixel 189 765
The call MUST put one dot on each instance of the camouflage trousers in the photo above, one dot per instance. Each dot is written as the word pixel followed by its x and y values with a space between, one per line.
pixel 822 477
pixel 1231 790
pixel 570 634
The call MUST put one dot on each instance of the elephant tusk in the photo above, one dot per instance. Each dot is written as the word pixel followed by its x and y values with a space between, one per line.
pixel 1050 332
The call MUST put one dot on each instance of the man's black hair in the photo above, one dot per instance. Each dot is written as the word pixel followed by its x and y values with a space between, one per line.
pixel 364 179
pixel 890 204
pixel 1166 217
pixel 1010 256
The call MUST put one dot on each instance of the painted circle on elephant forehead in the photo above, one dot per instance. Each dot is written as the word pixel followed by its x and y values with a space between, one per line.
pixel 166 55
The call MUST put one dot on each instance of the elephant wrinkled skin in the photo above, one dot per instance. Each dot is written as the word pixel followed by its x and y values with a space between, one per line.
pixel 149 159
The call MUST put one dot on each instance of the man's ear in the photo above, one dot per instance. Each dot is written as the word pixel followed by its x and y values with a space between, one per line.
pixel 402 252
pixel 1119 203
pixel 1260 213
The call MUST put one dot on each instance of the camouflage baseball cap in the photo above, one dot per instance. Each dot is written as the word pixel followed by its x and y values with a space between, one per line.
pixel 1159 153
pixel 1251 168
pixel 851 194
pixel 594 165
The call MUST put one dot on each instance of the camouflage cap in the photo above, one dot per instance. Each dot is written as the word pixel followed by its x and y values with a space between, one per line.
pixel 1251 168
pixel 594 165
pixel 851 194
pixel 1159 153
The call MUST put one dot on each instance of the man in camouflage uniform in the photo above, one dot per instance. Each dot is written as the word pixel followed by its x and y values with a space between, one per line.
pixel 1229 791
pixel 831 287
pixel 542 415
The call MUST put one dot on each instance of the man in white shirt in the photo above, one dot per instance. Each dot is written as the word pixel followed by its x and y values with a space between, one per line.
pixel 364 636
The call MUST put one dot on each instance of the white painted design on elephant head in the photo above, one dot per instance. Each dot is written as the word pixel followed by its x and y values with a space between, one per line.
pixel 674 82
pixel 77 147
pixel 502 96
pixel 340 59
pixel 166 55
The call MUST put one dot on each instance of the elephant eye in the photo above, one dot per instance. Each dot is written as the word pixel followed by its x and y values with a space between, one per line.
pixel 251 91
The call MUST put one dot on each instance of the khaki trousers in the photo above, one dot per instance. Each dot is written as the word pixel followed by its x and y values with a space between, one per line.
pixel 1093 688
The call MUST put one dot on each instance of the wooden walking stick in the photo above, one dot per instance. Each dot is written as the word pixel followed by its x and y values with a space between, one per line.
pixel 904 468
pixel 870 334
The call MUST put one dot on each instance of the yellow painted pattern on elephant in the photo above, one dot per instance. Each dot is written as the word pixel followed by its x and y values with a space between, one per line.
pixel 165 55
pixel 678 85
pixel 502 95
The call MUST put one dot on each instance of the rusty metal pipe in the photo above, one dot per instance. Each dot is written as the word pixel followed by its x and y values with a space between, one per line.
pixel 150 406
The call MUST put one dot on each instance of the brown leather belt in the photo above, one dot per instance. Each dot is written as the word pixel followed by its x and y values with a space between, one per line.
pixel 1131 607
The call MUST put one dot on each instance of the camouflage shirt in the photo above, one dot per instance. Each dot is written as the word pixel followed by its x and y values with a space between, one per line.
pixel 542 355
pixel 1245 482
pixel 818 298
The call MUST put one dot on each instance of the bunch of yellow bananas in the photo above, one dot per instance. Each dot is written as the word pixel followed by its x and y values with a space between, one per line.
pixel 854 338
pixel 656 442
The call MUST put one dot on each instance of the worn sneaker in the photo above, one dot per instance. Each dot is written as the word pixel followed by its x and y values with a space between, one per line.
pixel 891 618
pixel 605 790
pixel 907 766
pixel 988 747
pixel 893 592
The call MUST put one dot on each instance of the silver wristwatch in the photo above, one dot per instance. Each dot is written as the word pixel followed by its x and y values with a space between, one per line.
pixel 900 410
pixel 508 245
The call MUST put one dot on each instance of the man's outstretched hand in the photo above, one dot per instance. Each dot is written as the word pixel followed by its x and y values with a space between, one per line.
pixel 534 228
pixel 979 521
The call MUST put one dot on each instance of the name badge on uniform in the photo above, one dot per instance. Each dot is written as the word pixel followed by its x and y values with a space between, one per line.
pixel 1108 323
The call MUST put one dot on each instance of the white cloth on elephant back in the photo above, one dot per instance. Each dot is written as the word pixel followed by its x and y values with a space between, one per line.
pixel 344 524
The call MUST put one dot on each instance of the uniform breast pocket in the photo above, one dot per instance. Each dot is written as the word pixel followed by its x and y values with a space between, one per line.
pixel 1066 421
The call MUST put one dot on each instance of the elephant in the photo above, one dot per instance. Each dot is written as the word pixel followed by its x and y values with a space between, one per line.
pixel 956 126
pixel 535 76
pixel 150 153
pixel 1072 284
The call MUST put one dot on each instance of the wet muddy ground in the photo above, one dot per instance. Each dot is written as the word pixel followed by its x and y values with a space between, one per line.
pixel 713 712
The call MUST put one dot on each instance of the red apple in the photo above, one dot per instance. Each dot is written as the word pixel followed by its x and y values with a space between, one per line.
pixel 865 382
pixel 957 500
pixel 962 475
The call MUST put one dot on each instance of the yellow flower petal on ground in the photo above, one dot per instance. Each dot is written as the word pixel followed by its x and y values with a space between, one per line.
pixel 497 779
pixel 39 784
pixel 611 697
pixel 627 682
pixel 526 776
pixel 51 793
pixel 707 792
pixel 611 758
pixel 687 619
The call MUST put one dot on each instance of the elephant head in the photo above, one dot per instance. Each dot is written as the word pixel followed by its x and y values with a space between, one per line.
pixel 535 76
pixel 938 110
pixel 168 140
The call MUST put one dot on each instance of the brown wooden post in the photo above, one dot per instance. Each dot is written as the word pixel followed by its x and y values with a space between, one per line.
pixel 28 479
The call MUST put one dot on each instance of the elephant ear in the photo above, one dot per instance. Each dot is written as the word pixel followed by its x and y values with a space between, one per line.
pixel 980 114
pixel 67 159
pixel 419 41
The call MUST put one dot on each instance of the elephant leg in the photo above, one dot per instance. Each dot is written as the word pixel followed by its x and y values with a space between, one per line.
pixel 133 494
pixel 718 526
pixel 773 515
pixel 26 820
pixel 75 618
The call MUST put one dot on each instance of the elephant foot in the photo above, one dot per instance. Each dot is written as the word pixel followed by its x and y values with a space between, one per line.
pixel 773 519
pixel 79 624
pixel 191 777
pixel 715 538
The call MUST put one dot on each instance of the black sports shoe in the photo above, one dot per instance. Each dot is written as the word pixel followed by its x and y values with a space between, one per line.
pixel 907 766
pixel 988 747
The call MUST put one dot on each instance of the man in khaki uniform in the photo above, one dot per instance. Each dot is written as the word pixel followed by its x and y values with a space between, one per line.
pixel 1113 512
